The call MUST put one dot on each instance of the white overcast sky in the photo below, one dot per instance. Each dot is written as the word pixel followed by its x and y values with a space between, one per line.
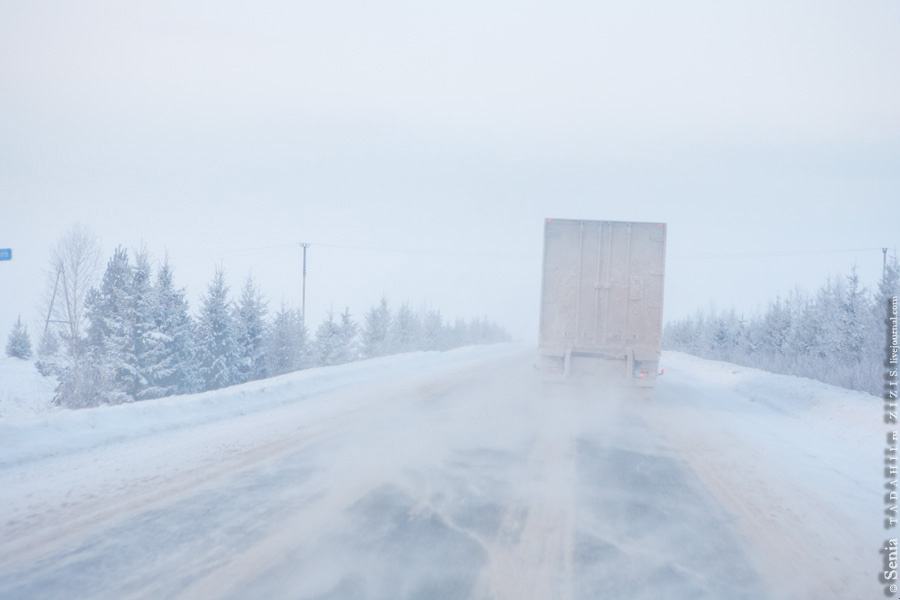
pixel 419 145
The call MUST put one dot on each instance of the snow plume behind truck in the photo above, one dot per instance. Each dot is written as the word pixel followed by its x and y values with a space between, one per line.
pixel 601 301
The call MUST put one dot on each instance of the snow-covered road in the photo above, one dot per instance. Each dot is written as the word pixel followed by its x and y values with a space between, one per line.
pixel 453 475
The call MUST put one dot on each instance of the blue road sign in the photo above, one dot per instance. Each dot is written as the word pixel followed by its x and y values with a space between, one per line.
pixel 5 253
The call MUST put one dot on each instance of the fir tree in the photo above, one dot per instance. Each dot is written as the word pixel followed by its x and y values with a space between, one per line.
pixel 828 307
pixel 219 355
pixel 889 284
pixel 776 325
pixel 485 331
pixel 407 330
pixel 251 314
pixel 837 336
pixel 377 332
pixel 143 340
pixel 172 361
pixel 347 344
pixel 286 343
pixel 888 288
pixel 18 345
pixel 433 331
pixel 328 342
pixel 110 373
pixel 853 316
pixel 458 335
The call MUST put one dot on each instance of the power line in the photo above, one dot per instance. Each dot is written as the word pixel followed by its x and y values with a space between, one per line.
pixel 766 253
pixel 233 251
pixel 472 254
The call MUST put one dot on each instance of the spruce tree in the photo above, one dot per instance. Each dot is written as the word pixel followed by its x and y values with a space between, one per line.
pixel 110 373
pixel 219 355
pixel 328 341
pixel 407 330
pixel 854 314
pixel 143 339
pixel 433 331
pixel 888 288
pixel 377 332
pixel 251 314
pixel 286 343
pixel 347 344
pixel 889 284
pixel 173 358
pixel 18 345
pixel 458 335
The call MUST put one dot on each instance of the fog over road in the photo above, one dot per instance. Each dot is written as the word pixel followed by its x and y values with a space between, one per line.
pixel 475 481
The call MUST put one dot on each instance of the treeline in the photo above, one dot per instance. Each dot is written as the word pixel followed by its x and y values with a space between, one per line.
pixel 838 335
pixel 141 340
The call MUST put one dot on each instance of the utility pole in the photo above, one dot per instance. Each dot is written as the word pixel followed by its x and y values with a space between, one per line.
pixel 884 263
pixel 303 298
pixel 53 299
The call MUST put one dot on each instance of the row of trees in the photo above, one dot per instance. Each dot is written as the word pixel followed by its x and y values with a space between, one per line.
pixel 837 335
pixel 139 339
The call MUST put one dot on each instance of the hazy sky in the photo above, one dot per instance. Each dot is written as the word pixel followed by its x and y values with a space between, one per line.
pixel 418 146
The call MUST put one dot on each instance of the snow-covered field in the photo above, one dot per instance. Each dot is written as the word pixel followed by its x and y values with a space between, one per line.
pixel 23 392
pixel 446 475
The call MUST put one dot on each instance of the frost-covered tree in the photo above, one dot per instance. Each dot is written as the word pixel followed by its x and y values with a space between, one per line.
pixel 251 330
pixel 75 264
pixel 109 304
pixel 172 360
pixel 888 285
pixel 776 325
pixel 110 343
pixel 286 343
pixel 486 331
pixel 328 342
pixel 837 336
pixel 49 360
pixel 89 383
pixel 854 315
pixel 109 369
pixel 376 337
pixel 143 340
pixel 458 334
pixel 407 330
pixel 678 335
pixel 18 345
pixel 481 331
pixel 801 335
pixel 347 342
pixel 433 337
pixel 828 316
pixel 219 354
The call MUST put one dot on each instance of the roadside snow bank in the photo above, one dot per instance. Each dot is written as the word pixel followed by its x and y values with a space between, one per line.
pixel 799 463
pixel 29 434
pixel 784 393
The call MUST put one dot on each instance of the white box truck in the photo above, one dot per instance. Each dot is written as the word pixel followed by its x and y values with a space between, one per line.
pixel 602 300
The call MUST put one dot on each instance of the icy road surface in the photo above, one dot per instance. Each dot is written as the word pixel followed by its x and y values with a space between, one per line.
pixel 453 475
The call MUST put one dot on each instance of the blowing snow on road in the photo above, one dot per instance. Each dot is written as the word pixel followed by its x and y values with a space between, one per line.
pixel 450 475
